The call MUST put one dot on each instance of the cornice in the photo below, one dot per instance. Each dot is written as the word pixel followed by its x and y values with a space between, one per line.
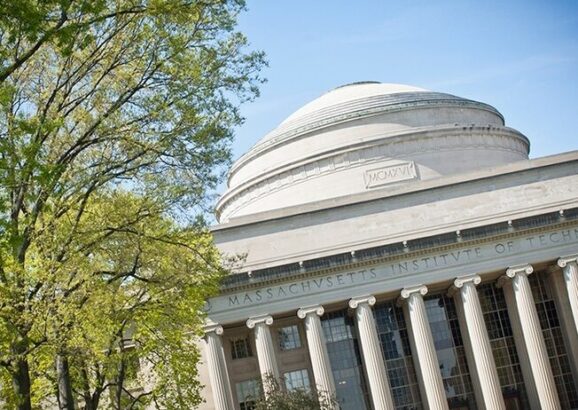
pixel 359 264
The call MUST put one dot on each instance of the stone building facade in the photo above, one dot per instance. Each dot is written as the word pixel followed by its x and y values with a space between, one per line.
pixel 400 251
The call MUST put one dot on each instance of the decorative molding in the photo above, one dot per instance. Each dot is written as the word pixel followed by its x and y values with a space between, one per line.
pixel 261 319
pixel 397 149
pixel 565 260
pixel 308 310
pixel 368 299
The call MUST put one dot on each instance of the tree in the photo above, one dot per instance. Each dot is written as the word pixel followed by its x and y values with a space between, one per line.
pixel 294 399
pixel 130 103
pixel 136 306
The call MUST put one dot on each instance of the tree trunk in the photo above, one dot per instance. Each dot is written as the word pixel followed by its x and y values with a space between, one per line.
pixel 65 396
pixel 119 386
pixel 90 399
pixel 21 383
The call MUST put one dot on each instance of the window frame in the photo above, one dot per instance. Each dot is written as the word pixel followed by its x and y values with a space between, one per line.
pixel 235 350
pixel 280 337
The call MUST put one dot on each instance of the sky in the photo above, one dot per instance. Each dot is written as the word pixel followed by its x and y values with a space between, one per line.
pixel 519 56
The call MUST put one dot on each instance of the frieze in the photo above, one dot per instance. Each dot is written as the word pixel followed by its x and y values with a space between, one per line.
pixel 401 267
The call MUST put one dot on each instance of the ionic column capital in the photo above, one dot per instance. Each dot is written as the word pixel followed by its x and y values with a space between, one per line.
pixel 309 310
pixel 512 271
pixel 261 319
pixel 565 260
pixel 473 279
pixel 359 300
pixel 406 293
pixel 213 327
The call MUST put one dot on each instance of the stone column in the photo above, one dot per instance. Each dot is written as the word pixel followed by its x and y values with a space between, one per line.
pixel 564 284
pixel 425 358
pixel 569 265
pixel 218 367
pixel 519 299
pixel 317 349
pixel 477 343
pixel 372 353
pixel 265 349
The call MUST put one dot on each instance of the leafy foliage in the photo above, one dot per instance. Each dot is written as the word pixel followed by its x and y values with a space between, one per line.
pixel 115 125
pixel 279 398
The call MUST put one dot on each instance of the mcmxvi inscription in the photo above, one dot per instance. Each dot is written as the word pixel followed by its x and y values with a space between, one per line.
pixel 387 175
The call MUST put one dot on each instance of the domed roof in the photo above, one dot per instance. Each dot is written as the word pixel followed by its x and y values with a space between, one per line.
pixel 367 136
pixel 350 92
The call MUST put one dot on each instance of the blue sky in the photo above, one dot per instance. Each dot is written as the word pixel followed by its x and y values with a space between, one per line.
pixel 518 56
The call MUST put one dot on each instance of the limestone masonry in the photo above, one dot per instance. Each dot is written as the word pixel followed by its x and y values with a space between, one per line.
pixel 398 251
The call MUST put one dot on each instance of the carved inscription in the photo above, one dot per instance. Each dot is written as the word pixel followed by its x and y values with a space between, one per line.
pixel 400 267
pixel 388 175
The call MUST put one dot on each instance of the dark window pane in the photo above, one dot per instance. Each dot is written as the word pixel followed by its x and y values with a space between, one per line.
pixel 392 331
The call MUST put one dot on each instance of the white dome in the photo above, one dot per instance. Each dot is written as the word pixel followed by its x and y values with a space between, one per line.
pixel 367 136
pixel 347 93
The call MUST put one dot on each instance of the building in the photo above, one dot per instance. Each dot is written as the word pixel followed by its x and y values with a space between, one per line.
pixel 400 251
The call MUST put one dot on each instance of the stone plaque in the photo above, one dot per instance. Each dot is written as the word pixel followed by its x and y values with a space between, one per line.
pixel 389 174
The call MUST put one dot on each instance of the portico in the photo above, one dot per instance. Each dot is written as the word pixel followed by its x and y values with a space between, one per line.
pixel 399 250
pixel 539 389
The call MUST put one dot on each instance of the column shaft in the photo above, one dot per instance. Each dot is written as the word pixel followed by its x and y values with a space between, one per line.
pixel 318 350
pixel 570 272
pixel 265 350
pixel 425 358
pixel 372 353
pixel 477 343
pixel 218 368
pixel 565 287
pixel 535 347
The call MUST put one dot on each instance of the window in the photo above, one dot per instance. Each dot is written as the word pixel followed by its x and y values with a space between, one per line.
pixel 297 380
pixel 392 331
pixel 241 348
pixel 289 337
pixel 247 392
pixel 554 340
pixel 443 321
pixel 503 347
pixel 345 359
